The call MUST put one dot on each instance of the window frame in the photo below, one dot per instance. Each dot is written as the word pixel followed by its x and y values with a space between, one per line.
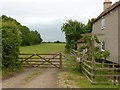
pixel 103 24
pixel 102 46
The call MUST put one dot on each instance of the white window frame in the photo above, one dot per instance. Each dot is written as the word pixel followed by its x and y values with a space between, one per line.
pixel 102 46
pixel 103 24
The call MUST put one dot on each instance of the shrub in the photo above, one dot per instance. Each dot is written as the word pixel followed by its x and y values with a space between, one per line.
pixel 83 47
pixel 10 43
pixel 105 54
pixel 101 54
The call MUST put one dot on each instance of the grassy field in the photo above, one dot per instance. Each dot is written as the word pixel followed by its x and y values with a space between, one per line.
pixel 43 48
pixel 73 75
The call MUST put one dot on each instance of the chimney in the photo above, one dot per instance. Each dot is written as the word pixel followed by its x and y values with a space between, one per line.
pixel 107 4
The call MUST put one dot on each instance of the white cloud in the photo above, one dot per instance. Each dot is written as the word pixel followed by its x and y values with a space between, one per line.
pixel 38 20
pixel 51 12
pixel 51 9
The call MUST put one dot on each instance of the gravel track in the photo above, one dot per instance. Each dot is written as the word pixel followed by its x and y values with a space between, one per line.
pixel 33 78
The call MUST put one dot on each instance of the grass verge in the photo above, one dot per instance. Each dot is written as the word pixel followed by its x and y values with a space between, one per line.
pixel 71 73
pixel 8 72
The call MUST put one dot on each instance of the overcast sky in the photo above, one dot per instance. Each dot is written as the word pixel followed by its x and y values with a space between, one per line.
pixel 47 16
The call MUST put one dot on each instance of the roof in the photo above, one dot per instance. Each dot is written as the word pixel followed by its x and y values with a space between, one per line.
pixel 81 40
pixel 108 10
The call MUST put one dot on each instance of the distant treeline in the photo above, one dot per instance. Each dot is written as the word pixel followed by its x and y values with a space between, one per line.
pixel 14 35
pixel 53 42
pixel 27 37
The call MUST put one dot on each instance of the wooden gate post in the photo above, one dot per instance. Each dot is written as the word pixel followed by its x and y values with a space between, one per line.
pixel 60 55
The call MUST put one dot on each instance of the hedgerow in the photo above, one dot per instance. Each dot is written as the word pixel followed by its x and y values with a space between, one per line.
pixel 10 43
pixel 14 35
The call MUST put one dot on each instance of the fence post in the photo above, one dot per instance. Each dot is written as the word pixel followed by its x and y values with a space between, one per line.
pixel 93 59
pixel 114 74
pixel 60 60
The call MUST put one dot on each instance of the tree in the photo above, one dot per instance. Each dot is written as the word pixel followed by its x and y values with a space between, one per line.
pixel 95 53
pixel 10 42
pixel 29 37
pixel 35 37
pixel 89 25
pixel 25 35
pixel 14 35
pixel 57 41
pixel 72 30
pixel 90 40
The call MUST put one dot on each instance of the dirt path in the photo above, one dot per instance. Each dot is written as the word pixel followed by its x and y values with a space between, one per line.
pixel 33 78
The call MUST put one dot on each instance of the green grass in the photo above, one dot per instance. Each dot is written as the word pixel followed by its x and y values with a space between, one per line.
pixel 43 48
pixel 8 72
pixel 82 81
pixel 75 75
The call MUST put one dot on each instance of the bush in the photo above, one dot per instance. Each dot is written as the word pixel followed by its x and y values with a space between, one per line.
pixel 83 47
pixel 10 43
pixel 101 54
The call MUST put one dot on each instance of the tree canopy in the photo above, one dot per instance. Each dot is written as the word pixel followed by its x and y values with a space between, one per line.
pixel 73 30
pixel 29 37
pixel 89 25
pixel 14 35
pixel 10 42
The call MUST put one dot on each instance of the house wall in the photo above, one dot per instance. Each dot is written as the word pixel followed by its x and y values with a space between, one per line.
pixel 119 34
pixel 110 33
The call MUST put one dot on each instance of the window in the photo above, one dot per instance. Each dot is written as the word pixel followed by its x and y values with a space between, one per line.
pixel 102 46
pixel 103 24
